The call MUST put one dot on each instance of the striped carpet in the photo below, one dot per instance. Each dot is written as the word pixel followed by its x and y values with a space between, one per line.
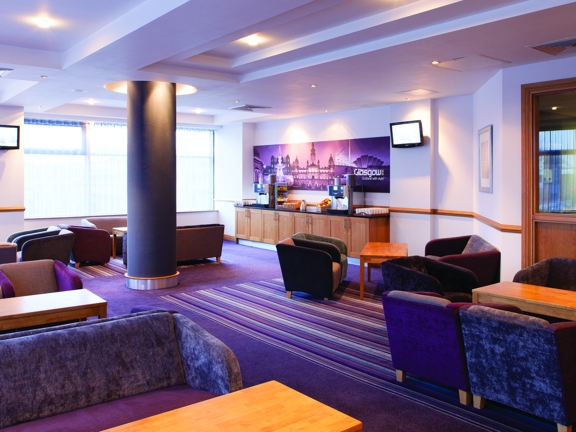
pixel 116 267
pixel 344 334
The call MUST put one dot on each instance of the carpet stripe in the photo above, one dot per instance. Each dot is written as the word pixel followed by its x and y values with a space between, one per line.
pixel 346 335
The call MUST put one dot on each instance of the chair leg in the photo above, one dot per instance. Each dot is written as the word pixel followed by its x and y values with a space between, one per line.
pixel 479 401
pixel 289 294
pixel 400 375
pixel 217 259
pixel 326 298
pixel 465 397
pixel 562 428
pixel 77 264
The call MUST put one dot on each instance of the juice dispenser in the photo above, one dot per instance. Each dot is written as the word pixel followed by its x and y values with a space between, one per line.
pixel 280 194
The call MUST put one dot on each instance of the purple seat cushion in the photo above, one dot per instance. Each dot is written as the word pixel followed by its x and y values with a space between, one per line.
pixel 110 414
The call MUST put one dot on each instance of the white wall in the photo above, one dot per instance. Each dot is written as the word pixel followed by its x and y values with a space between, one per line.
pixel 11 175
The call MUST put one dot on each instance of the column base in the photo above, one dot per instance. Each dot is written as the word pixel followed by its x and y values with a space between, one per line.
pixel 139 283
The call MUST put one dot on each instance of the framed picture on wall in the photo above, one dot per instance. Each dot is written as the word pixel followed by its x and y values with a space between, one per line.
pixel 485 159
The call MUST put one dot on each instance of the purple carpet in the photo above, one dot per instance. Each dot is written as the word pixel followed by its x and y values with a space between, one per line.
pixel 345 334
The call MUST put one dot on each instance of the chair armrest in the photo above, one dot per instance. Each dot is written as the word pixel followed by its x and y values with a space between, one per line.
pixel 208 363
pixel 66 279
pixel 397 277
pixel 446 246
pixel 20 240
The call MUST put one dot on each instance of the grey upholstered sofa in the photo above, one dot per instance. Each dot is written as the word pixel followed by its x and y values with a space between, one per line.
pixel 98 374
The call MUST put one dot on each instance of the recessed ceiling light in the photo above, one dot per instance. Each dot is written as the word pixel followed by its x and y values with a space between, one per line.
pixel 313 85
pixel 79 91
pixel 91 101
pixel 252 40
pixel 435 62
pixel 198 111
pixel 43 76
pixel 326 110
pixel 44 22
pixel 554 108
pixel 237 101
pixel 418 92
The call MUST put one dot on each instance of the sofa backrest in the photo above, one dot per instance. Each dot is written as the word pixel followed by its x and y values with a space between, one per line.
pixel 105 222
pixel 31 277
pixel 50 371
pixel 199 241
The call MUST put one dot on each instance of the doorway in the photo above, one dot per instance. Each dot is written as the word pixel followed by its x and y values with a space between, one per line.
pixel 548 170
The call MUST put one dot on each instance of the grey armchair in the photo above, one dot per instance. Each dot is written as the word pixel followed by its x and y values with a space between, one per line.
pixel 552 272
pixel 51 244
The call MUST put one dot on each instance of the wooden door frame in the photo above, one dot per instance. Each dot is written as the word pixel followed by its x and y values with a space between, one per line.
pixel 529 159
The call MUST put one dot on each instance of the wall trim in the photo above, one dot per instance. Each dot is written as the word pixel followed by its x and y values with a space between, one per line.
pixel 516 229
pixel 12 209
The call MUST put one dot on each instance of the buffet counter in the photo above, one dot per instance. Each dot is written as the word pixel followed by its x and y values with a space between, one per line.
pixel 268 225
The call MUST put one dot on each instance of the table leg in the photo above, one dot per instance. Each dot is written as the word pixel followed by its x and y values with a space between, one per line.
pixel 114 245
pixel 361 278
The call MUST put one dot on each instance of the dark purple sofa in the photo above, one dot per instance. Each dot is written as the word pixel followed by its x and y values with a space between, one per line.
pixel 99 374
pixel 471 252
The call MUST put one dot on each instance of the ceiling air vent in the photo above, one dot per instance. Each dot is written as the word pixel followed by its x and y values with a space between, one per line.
pixel 248 107
pixel 555 47
pixel 5 71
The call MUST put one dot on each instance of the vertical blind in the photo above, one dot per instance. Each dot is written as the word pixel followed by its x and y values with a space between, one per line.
pixel 557 179
pixel 74 169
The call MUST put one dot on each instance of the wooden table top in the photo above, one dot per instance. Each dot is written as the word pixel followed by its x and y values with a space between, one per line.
pixel 530 298
pixel 384 250
pixel 266 407
pixel 62 300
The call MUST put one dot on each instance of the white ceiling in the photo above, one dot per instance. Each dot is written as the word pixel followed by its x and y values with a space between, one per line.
pixel 358 53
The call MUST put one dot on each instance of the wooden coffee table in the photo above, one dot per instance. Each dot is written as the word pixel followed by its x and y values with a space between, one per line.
pixel 271 406
pixel 50 308
pixel 377 253
pixel 530 298
pixel 119 231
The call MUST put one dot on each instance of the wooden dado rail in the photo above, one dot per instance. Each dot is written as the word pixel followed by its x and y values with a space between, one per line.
pixel 500 227
pixel 12 209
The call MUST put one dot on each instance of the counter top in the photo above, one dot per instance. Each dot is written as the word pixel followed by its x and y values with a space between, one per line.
pixel 383 215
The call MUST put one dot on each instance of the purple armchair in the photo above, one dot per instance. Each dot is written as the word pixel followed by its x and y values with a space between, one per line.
pixel 91 245
pixel 417 273
pixel 521 361
pixel 471 252
pixel 36 277
pixel 426 338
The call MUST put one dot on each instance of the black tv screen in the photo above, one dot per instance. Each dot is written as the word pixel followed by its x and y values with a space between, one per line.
pixel 406 134
pixel 9 137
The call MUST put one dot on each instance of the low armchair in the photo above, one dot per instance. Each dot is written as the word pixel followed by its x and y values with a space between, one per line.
pixel 417 273
pixel 425 338
pixel 309 266
pixel 36 277
pixel 91 245
pixel 340 244
pixel 521 361
pixel 471 252
pixel 552 272
pixel 51 243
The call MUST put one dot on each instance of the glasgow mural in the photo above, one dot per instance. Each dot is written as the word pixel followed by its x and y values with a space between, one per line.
pixel 315 165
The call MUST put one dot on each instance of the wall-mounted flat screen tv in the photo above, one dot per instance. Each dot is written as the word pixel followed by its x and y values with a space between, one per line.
pixel 406 134
pixel 9 137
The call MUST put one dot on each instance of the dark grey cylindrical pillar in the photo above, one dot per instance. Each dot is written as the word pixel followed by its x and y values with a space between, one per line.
pixel 151 185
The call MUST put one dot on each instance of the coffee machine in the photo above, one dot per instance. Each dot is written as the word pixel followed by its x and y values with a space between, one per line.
pixel 342 195
pixel 264 195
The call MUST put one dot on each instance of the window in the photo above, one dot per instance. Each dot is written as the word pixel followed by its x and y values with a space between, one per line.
pixel 75 169
pixel 557 178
